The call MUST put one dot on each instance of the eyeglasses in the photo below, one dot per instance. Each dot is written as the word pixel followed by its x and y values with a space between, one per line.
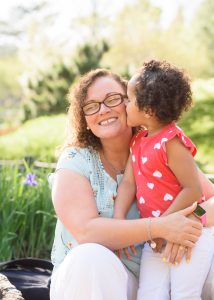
pixel 111 100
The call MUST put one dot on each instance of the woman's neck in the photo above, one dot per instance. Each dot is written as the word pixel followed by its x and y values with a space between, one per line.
pixel 114 155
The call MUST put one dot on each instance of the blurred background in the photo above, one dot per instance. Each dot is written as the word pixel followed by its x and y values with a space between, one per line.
pixel 46 45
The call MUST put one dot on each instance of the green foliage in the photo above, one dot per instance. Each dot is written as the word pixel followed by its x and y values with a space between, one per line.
pixel 134 36
pixel 26 214
pixel 38 138
pixel 139 35
pixel 204 31
pixel 88 57
pixel 46 92
pixel 9 66
pixel 198 123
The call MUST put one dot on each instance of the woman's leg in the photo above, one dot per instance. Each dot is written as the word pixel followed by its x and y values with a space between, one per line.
pixel 154 283
pixel 187 280
pixel 92 272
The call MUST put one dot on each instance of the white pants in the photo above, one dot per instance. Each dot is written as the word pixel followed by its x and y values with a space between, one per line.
pixel 159 281
pixel 92 272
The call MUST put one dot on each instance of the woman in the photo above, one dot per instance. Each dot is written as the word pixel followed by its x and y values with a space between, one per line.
pixel 84 188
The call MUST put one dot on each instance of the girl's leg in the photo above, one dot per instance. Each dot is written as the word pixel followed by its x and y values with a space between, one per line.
pixel 154 283
pixel 208 289
pixel 92 272
pixel 187 280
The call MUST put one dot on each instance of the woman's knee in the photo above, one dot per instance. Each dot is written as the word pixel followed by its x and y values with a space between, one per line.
pixel 85 270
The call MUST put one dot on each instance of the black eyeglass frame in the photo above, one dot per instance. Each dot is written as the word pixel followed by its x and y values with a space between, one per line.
pixel 123 97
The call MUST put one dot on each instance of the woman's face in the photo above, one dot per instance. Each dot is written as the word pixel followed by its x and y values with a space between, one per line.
pixel 108 122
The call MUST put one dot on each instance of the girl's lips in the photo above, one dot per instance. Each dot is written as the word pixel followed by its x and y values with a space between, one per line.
pixel 107 121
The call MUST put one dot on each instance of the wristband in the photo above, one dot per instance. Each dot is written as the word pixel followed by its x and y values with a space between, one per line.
pixel 200 213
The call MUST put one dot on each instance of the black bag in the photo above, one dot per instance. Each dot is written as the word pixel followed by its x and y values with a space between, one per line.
pixel 31 276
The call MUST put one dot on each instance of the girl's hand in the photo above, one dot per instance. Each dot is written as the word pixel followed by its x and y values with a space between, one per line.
pixel 173 253
pixel 126 252
pixel 159 245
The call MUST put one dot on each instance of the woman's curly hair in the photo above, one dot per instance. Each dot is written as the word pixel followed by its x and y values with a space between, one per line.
pixel 77 134
pixel 163 89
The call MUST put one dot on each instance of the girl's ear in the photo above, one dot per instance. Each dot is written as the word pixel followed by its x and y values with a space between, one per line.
pixel 149 113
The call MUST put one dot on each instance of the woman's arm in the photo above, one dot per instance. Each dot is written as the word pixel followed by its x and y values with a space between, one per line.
pixel 75 206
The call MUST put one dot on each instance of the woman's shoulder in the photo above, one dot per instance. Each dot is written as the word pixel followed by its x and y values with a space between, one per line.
pixel 71 153
pixel 76 159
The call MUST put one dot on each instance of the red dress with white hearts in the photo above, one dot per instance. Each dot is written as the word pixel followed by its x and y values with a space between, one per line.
pixel 156 184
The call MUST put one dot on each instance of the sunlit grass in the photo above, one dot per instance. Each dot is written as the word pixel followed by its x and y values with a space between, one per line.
pixel 38 138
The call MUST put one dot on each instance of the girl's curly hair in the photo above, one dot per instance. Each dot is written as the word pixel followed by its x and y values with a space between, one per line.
pixel 77 133
pixel 163 89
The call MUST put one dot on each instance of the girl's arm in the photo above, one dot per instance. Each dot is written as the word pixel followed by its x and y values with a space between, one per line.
pixel 208 205
pixel 76 208
pixel 182 164
pixel 126 192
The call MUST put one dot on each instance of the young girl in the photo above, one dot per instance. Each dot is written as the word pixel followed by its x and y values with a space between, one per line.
pixel 162 173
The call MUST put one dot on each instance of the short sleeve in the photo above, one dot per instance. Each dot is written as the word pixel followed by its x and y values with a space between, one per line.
pixel 74 159
pixel 172 132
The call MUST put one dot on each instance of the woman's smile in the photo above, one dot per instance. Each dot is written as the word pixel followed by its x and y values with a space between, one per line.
pixel 108 121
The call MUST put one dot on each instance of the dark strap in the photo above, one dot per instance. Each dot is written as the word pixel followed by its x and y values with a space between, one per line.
pixel 27 263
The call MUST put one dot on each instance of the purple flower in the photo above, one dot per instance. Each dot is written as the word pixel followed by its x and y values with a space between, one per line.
pixel 30 180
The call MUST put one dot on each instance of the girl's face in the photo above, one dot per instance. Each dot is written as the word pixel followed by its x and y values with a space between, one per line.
pixel 108 122
pixel 135 117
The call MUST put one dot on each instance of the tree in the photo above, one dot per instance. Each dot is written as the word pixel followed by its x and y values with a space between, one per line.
pixel 134 36
pixel 46 92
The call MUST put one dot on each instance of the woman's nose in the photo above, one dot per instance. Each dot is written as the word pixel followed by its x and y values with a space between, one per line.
pixel 104 109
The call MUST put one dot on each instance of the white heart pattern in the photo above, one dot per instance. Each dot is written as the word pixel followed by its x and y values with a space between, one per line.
pixel 144 159
pixel 141 200
pixel 150 185
pixel 133 158
pixel 156 213
pixel 139 173
pixel 183 139
pixel 157 146
pixel 157 174
pixel 168 197
pixel 164 140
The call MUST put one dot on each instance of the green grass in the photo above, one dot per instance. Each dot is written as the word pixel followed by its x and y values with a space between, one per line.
pixel 26 214
pixel 38 138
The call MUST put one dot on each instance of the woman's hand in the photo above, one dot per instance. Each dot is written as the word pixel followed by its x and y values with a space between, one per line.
pixel 179 229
